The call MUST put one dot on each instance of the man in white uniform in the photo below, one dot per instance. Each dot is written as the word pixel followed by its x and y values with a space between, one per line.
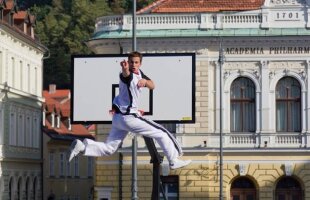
pixel 127 118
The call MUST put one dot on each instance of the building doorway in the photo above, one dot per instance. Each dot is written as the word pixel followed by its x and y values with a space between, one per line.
pixel 243 189
pixel 288 188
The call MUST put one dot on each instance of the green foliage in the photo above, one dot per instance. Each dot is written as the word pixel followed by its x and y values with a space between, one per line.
pixel 63 26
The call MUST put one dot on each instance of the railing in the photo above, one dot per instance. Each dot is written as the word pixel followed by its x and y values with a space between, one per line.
pixel 294 140
pixel 249 140
pixel 242 140
pixel 180 21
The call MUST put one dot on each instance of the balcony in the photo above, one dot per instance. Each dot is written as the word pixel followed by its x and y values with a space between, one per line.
pixel 203 21
pixel 247 140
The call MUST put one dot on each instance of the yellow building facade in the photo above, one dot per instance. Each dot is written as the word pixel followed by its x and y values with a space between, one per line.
pixel 257 98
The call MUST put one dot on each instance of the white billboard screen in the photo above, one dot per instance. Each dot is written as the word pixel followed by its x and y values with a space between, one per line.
pixel 95 81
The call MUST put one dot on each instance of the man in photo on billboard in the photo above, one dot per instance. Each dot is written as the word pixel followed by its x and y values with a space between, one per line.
pixel 127 118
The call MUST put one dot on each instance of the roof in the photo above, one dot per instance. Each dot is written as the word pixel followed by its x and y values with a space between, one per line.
pixel 58 102
pixel 192 6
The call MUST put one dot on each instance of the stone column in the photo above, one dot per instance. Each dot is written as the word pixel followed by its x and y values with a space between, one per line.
pixel 217 97
pixel 307 103
pixel 265 117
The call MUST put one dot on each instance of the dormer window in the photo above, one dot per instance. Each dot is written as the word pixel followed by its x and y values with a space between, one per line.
pixel 43 117
pixel 69 124
pixel 11 19
pixel 31 31
pixel 25 28
pixel 58 121
pixel 53 120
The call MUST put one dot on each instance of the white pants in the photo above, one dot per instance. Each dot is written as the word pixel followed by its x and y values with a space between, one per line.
pixel 122 124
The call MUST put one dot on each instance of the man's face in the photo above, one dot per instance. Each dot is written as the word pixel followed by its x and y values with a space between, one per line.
pixel 134 64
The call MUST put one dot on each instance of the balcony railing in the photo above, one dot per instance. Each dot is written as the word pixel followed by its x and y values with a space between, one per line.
pixel 248 140
pixel 250 19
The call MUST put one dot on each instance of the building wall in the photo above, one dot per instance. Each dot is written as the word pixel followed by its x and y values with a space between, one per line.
pixel 263 45
pixel 20 115
pixel 70 184
pixel 263 164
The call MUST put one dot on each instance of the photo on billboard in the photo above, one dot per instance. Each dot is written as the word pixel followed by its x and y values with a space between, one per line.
pixel 95 80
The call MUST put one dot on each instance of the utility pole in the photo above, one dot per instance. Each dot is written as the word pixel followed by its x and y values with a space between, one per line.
pixel 134 184
pixel 221 62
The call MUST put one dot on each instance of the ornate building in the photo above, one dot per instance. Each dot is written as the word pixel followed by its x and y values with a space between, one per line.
pixel 21 69
pixel 265 97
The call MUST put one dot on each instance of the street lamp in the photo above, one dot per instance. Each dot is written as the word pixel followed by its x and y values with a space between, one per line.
pixel 221 62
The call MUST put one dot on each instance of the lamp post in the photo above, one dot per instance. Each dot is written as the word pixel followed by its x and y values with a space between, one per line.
pixel 134 184
pixel 221 62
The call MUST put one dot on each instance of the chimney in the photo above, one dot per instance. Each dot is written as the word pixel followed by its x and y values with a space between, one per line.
pixel 52 88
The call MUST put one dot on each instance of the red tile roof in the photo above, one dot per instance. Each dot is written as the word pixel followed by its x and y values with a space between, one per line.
pixel 59 103
pixel 190 6
pixel 20 15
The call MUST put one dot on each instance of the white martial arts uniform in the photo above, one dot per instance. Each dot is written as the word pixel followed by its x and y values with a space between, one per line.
pixel 127 119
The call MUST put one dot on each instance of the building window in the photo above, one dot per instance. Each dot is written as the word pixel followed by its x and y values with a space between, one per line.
pixel 243 189
pixel 19 189
pixel 34 191
pixel 76 166
pixel 35 81
pixel 90 165
pixel 21 80
pixel 20 130
pixel 68 167
pixel 58 121
pixel 27 189
pixel 288 105
pixel 27 136
pixel 62 164
pixel 13 129
pixel 28 78
pixel 36 133
pixel 53 120
pixel 13 72
pixel 52 164
pixel 289 188
pixel 242 105
pixel 11 186
pixel 171 187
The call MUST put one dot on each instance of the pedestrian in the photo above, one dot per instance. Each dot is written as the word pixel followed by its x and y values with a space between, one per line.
pixel 127 118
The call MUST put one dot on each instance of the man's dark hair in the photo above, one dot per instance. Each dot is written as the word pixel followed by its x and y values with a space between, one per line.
pixel 135 54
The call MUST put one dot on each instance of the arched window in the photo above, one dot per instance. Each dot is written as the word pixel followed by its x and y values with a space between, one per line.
pixel 242 106
pixel 19 189
pixel 288 188
pixel 34 188
pixel 11 186
pixel 242 189
pixel 288 105
pixel 27 189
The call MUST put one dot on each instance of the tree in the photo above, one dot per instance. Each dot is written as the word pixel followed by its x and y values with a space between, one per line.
pixel 64 25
